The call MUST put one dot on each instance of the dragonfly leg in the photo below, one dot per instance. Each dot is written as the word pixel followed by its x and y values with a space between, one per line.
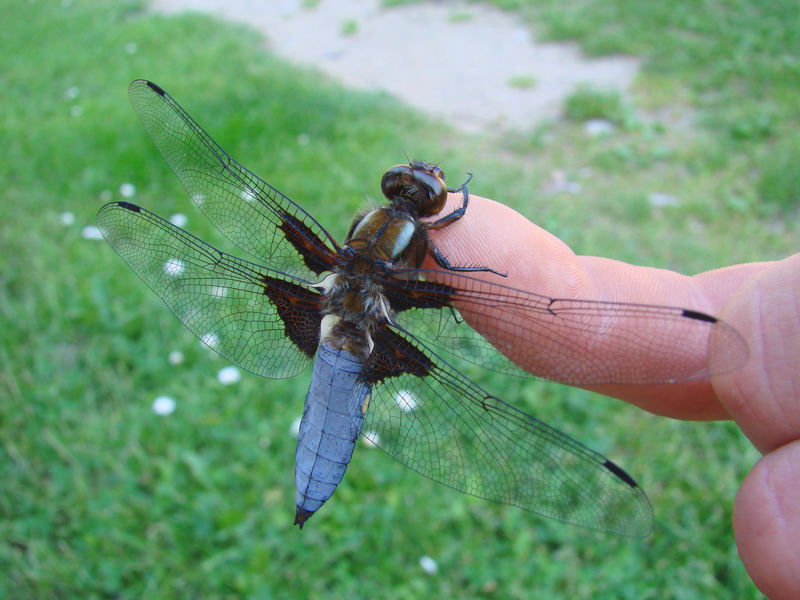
pixel 442 261
pixel 446 220
pixel 457 213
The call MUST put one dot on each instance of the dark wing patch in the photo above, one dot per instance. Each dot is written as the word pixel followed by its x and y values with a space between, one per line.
pixel 316 256
pixel 394 355
pixel 299 308
pixel 404 294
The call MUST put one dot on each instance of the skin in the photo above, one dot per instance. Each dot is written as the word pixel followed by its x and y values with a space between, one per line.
pixel 760 300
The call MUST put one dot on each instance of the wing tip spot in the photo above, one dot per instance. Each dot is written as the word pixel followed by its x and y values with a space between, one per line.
pixel 156 88
pixel 619 472
pixel 129 206
pixel 693 314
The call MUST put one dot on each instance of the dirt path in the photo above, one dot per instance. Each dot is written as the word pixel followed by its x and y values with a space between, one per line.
pixel 471 65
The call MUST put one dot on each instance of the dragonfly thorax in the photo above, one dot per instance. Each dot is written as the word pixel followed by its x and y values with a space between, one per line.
pixel 382 234
pixel 354 306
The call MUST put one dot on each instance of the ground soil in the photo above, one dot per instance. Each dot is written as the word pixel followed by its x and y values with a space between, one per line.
pixel 471 65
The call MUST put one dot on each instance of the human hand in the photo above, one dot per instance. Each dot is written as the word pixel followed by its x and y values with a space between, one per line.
pixel 760 300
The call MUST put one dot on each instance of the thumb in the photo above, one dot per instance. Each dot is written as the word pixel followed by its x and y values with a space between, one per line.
pixel 766 522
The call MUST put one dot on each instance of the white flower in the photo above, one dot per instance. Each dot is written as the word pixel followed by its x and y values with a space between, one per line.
pixel 163 406
pixel 90 232
pixel 210 340
pixel 174 267
pixel 67 218
pixel 229 375
pixel 405 400
pixel 127 190
pixel 370 439
pixel 428 565
pixel 178 219
pixel 175 357
pixel 72 92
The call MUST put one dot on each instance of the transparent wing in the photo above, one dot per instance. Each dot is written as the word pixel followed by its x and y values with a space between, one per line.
pixel 439 423
pixel 246 209
pixel 261 319
pixel 578 342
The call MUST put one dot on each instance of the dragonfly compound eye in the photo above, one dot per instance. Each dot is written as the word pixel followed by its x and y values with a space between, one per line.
pixel 396 180
pixel 431 189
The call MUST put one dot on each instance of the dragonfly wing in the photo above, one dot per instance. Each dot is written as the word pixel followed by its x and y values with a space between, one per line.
pixel 433 419
pixel 246 209
pixel 263 320
pixel 579 342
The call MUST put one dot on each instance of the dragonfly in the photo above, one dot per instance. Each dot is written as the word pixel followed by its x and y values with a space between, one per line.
pixel 387 338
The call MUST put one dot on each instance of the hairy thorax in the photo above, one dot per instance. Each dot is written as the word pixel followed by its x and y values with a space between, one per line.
pixel 384 239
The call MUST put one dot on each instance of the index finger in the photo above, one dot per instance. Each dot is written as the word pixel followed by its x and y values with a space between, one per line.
pixel 493 235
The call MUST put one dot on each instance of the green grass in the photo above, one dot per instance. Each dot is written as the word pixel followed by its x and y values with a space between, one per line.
pixel 730 66
pixel 522 82
pixel 586 103
pixel 102 498
pixel 349 27
pixel 779 177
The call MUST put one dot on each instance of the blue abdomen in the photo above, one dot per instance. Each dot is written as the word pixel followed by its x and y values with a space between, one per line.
pixel 332 418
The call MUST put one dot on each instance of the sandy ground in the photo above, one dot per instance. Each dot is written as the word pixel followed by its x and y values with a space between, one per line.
pixel 457 62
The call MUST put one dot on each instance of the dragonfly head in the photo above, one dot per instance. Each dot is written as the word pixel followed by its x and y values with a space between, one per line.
pixel 419 184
